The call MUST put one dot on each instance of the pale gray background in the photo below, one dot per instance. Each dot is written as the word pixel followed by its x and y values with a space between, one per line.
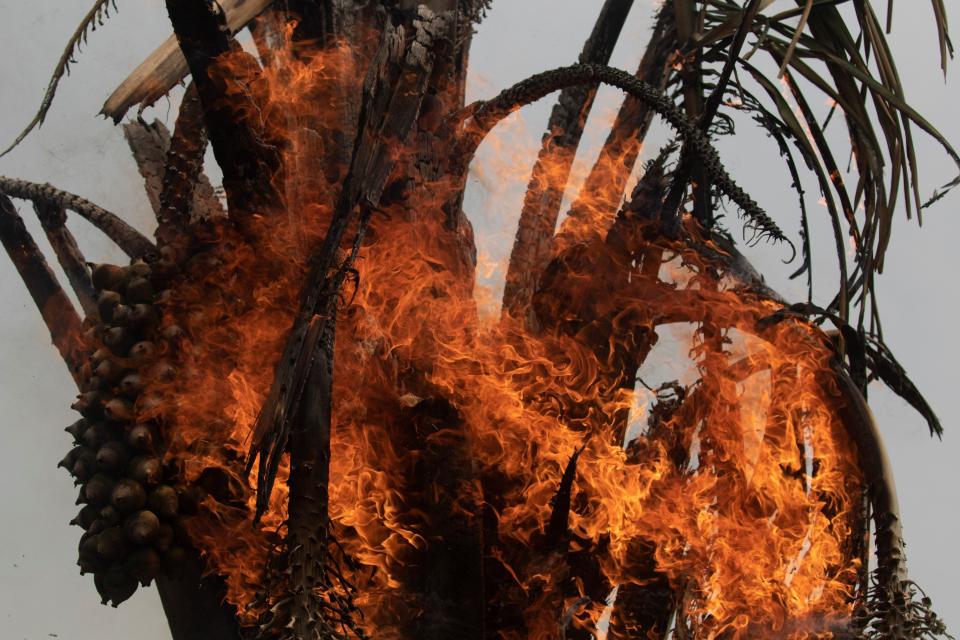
pixel 41 593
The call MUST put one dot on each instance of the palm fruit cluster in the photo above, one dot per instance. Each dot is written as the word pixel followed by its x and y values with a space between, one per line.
pixel 130 504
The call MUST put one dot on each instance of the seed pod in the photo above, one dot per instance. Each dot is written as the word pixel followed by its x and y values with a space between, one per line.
pixel 140 437
pixel 69 459
pixel 88 404
pixel 96 527
pixel 94 383
pixel 77 428
pixel 122 316
pixel 174 561
pixel 119 339
pixel 164 502
pixel 172 332
pixel 164 297
pixel 143 565
pixel 147 470
pixel 139 291
pixel 149 404
pixel 98 490
pixel 85 465
pixel 95 436
pixel 143 352
pixel 144 315
pixel 142 527
pixel 114 585
pixel 109 276
pixel 112 456
pixel 88 559
pixel 163 371
pixel 110 371
pixel 111 543
pixel 140 269
pixel 131 384
pixel 111 515
pixel 118 410
pixel 128 495
pixel 107 303
pixel 93 334
pixel 86 517
pixel 165 538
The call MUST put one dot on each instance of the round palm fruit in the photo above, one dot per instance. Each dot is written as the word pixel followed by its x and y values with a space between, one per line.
pixel 118 410
pixel 164 502
pixel 122 316
pixel 139 291
pixel 109 276
pixel 143 352
pixel 89 404
pixel 85 465
pixel 142 565
pixel 98 490
pixel 131 384
pixel 142 527
pixel 95 436
pixel 111 543
pixel 89 559
pixel 140 437
pixel 144 315
pixel 112 456
pixel 107 303
pixel 77 428
pixel 139 268
pixel 86 517
pixel 111 515
pixel 119 339
pixel 109 370
pixel 128 495
pixel 147 470
pixel 69 459
pixel 114 585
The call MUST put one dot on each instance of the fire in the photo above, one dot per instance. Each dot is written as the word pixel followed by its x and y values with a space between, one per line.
pixel 740 491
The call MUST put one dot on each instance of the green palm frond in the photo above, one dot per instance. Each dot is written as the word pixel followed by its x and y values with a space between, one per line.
pixel 94 18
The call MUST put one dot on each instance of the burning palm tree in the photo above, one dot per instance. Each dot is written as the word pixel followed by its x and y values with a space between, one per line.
pixel 298 422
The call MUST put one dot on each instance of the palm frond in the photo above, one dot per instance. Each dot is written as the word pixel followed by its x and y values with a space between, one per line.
pixel 845 57
pixel 94 18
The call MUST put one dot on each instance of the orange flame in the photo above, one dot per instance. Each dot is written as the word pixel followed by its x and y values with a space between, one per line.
pixel 752 527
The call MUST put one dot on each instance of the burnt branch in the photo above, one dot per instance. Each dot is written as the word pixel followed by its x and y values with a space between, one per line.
pixel 54 305
pixel 53 220
pixel 130 241
pixel 181 191
pixel 602 191
pixel 193 604
pixel 487 114
pixel 541 206
pixel 149 143
pixel 393 91
pixel 249 160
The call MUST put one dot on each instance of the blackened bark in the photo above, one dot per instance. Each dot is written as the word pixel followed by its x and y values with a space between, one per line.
pixel 541 207
pixel 194 605
pixel 54 223
pixel 241 142
pixel 128 239
pixel 603 190
pixel 54 305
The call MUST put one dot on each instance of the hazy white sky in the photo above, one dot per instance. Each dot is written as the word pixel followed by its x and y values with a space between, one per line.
pixel 41 592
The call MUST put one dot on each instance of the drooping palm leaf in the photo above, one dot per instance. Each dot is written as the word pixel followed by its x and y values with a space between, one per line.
pixel 94 18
